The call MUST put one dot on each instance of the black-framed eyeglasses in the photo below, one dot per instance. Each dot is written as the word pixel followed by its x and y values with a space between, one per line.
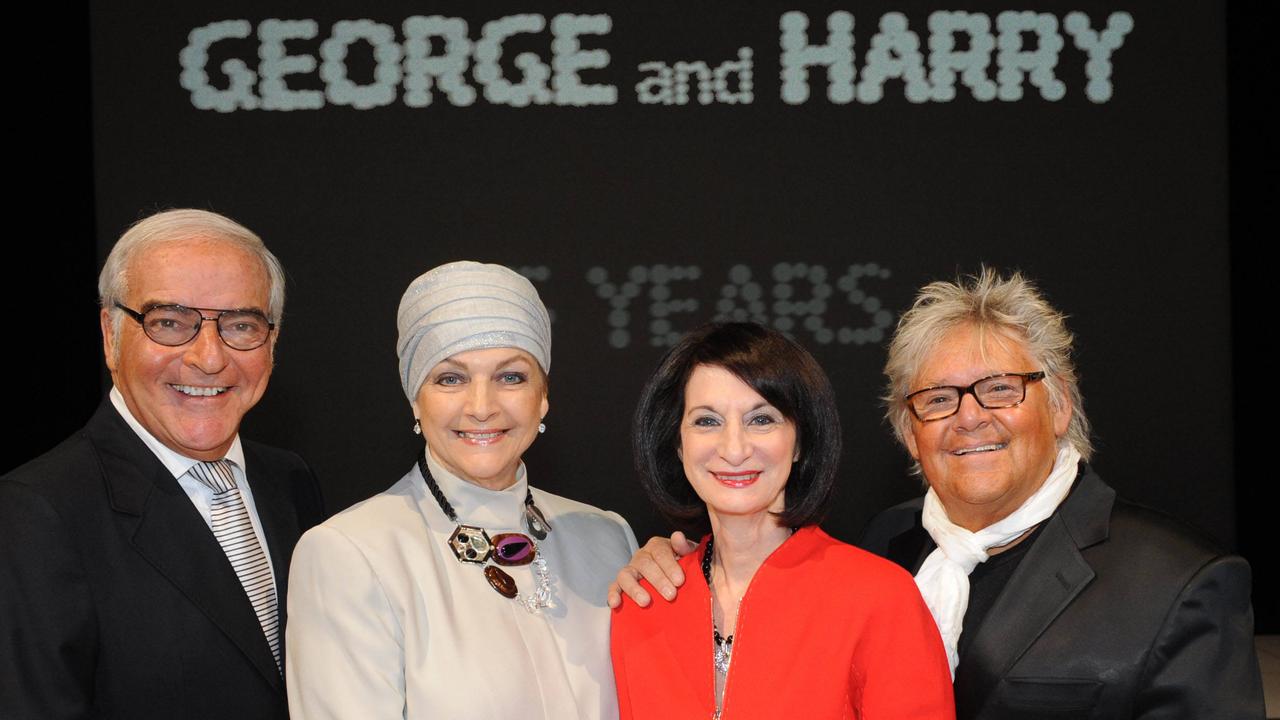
pixel 174 325
pixel 1005 390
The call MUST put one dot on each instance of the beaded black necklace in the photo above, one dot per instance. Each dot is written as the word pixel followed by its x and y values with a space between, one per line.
pixel 723 645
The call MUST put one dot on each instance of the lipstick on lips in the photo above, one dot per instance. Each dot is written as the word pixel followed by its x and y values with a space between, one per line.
pixel 737 479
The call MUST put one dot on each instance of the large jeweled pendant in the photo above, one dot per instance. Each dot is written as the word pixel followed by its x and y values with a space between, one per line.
pixel 471 544
pixel 499 580
pixel 535 521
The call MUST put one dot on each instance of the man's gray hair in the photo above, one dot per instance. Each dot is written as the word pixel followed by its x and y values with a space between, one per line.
pixel 176 226
pixel 1012 306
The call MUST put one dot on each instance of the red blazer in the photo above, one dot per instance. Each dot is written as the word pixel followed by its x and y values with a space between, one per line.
pixel 825 630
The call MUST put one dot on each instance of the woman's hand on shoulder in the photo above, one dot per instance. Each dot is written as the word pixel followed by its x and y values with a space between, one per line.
pixel 657 562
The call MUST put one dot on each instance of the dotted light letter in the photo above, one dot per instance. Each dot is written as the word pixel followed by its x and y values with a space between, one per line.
pixel 276 64
pixel 945 61
pixel 1014 62
pixel 798 55
pixel 447 69
pixel 1099 47
pixel 386 73
pixel 195 56
pixel 497 89
pixel 894 53
pixel 569 57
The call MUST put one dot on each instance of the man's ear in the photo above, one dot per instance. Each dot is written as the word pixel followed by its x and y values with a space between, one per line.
pixel 1062 415
pixel 109 339
pixel 909 439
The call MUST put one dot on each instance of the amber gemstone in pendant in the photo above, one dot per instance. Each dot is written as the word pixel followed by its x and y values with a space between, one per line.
pixel 500 581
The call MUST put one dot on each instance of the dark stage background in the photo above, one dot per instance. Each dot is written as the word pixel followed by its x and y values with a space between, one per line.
pixel 638 220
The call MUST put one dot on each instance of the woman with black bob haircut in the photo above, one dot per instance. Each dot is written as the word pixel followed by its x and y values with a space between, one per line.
pixel 784 374
pixel 737 433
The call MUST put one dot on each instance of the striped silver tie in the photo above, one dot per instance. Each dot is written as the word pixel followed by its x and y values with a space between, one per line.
pixel 234 532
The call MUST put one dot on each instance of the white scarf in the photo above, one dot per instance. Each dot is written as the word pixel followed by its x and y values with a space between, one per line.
pixel 944 577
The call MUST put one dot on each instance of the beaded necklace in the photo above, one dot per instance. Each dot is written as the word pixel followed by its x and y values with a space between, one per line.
pixel 723 654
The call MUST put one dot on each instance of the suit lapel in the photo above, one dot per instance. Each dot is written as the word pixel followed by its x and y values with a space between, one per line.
pixel 909 549
pixel 169 533
pixel 1051 575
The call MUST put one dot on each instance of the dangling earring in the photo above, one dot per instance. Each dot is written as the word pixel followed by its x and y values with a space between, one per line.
pixel 417 426
pixel 542 427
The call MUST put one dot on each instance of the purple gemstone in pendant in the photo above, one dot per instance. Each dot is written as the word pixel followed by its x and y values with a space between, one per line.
pixel 513 549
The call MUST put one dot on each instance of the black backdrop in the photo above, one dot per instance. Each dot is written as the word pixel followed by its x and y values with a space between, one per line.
pixel 1119 208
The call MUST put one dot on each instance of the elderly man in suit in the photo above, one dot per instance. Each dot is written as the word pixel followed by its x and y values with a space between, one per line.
pixel 143 562
pixel 1054 598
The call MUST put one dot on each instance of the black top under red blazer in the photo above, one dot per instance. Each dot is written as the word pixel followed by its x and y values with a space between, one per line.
pixel 1116 611
pixel 115 598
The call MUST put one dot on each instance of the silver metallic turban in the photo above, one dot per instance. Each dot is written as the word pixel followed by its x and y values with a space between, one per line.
pixel 463 306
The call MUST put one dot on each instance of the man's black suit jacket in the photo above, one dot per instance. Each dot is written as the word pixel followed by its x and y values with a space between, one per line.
pixel 1116 611
pixel 115 598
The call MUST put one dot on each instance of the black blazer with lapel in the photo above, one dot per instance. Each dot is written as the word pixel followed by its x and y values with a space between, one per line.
pixel 1116 611
pixel 115 598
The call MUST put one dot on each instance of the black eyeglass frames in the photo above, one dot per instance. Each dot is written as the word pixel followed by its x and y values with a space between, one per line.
pixel 993 392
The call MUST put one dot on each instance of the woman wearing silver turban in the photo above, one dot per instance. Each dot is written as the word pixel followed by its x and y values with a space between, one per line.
pixel 462 591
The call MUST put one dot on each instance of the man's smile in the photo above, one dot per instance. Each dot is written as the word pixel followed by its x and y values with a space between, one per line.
pixel 989 447
pixel 199 390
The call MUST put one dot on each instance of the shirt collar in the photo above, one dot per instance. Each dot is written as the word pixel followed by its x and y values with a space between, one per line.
pixel 491 509
pixel 176 463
